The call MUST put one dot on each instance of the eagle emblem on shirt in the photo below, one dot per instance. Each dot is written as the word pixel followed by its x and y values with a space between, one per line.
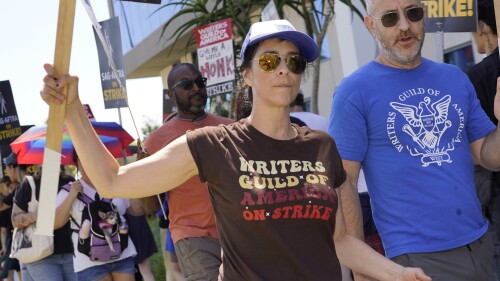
pixel 426 124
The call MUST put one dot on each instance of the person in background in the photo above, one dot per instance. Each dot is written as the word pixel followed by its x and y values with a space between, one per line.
pixel 262 239
pixel 312 120
pixel 16 172
pixel 483 77
pixel 157 205
pixel 171 262
pixel 416 127
pixel 69 205
pixel 5 263
pixel 191 216
pixel 59 265
pixel 142 237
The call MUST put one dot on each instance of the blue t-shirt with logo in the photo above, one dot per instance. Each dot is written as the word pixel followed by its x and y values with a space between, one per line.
pixel 411 131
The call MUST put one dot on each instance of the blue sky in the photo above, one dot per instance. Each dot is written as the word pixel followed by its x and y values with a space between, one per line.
pixel 28 31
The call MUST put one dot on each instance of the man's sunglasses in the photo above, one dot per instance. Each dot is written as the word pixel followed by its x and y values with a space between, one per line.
pixel 187 84
pixel 390 19
pixel 269 62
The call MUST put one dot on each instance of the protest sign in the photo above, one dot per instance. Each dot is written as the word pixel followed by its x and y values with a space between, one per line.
pixel 9 122
pixel 114 95
pixel 89 112
pixel 215 56
pixel 450 15
pixel 5 150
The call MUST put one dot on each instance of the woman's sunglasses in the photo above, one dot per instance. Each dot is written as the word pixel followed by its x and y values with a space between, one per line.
pixel 390 19
pixel 269 62
pixel 187 84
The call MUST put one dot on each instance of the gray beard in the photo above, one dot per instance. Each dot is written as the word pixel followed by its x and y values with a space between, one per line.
pixel 398 57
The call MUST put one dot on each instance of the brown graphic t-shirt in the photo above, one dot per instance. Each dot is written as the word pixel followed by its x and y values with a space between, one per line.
pixel 274 201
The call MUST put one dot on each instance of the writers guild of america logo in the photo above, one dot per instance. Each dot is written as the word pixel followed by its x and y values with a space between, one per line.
pixel 426 125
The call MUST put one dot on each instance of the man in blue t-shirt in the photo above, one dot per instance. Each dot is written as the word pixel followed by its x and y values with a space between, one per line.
pixel 417 128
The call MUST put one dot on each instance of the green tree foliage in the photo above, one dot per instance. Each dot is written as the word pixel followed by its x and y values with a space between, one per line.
pixel 148 126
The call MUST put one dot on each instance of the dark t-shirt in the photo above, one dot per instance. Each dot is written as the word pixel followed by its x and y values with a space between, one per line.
pixel 484 78
pixel 4 218
pixel 62 236
pixel 274 200
pixel 6 214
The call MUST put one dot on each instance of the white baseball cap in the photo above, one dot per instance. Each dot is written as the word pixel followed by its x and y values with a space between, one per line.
pixel 280 29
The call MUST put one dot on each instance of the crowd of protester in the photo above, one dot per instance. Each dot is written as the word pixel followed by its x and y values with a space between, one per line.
pixel 275 194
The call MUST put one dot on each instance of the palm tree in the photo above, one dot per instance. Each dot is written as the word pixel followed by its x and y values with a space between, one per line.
pixel 316 14
pixel 203 12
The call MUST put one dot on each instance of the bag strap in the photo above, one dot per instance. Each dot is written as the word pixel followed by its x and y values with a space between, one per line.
pixel 34 202
pixel 97 198
pixel 31 181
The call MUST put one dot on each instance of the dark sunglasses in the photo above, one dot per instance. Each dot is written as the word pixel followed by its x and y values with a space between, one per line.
pixel 269 62
pixel 390 19
pixel 187 84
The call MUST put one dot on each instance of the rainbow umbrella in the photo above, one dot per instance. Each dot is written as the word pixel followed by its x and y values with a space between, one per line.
pixel 29 146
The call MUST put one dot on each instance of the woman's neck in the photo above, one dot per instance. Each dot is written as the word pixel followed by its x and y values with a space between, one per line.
pixel 275 126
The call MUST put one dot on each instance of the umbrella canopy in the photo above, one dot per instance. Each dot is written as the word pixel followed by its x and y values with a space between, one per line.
pixel 29 146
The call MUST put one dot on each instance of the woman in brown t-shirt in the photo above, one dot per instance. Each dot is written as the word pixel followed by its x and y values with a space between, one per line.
pixel 274 186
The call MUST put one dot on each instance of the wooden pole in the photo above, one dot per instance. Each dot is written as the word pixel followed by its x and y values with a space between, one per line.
pixel 52 152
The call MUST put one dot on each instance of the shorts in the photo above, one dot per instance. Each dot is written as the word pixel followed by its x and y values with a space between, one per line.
pixel 471 262
pixel 199 258
pixel 96 273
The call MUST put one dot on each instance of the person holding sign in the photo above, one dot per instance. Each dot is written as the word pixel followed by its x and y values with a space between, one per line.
pixel 274 186
pixel 416 128
pixel 193 229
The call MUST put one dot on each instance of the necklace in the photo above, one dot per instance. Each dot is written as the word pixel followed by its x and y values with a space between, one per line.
pixel 196 120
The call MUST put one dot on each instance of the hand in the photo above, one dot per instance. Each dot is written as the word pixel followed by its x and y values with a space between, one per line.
pixel 76 188
pixel 413 274
pixel 32 217
pixel 3 252
pixel 53 89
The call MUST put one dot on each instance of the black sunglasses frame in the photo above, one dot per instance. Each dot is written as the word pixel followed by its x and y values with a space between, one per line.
pixel 187 84
pixel 295 63
pixel 391 19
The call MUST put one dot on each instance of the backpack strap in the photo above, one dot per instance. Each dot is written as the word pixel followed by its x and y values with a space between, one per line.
pixel 84 198
pixel 97 198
